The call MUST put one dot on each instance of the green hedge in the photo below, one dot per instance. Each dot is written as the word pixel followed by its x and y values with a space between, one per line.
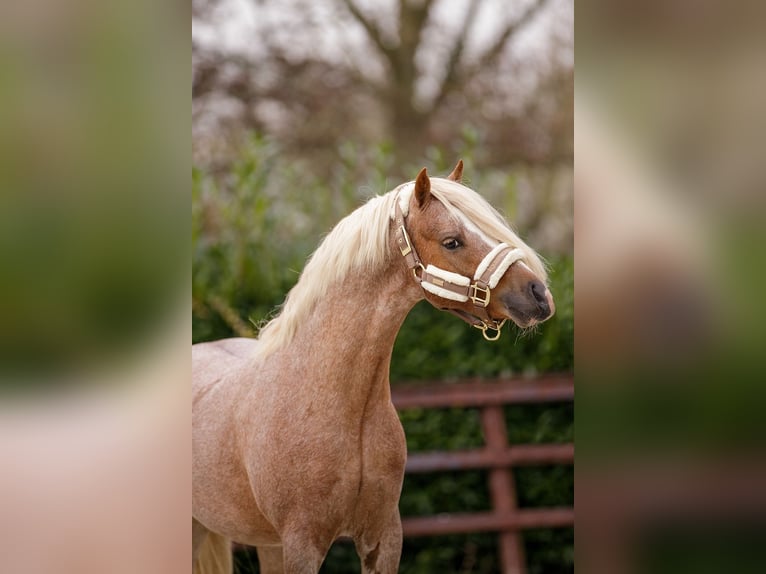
pixel 253 228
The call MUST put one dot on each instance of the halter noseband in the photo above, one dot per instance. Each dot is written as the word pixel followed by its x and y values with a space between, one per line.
pixel 455 287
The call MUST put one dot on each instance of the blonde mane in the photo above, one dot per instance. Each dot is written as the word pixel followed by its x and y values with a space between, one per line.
pixel 360 241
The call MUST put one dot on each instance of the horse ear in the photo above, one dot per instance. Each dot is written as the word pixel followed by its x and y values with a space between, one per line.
pixel 457 173
pixel 422 188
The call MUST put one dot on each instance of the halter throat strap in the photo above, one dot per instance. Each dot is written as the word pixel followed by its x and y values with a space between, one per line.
pixel 454 286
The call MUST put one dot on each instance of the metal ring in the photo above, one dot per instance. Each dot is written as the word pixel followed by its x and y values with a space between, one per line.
pixel 484 329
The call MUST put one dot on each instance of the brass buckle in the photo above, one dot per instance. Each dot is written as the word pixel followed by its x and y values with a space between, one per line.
pixel 484 326
pixel 407 249
pixel 480 295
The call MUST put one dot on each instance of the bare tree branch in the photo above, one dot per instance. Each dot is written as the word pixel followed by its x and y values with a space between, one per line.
pixel 372 30
pixel 491 56
pixel 453 62
pixel 387 95
pixel 418 9
pixel 412 19
pixel 401 57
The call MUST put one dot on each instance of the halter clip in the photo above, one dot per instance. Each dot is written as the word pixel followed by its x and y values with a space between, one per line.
pixel 478 294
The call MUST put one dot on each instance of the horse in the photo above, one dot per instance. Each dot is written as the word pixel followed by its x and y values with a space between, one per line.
pixel 295 440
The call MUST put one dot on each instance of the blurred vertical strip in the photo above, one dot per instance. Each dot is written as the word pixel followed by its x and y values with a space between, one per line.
pixel 94 268
pixel 93 209
pixel 670 172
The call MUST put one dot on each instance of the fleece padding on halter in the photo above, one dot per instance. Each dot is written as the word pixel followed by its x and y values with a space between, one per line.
pixel 449 276
pixel 488 258
pixel 434 280
pixel 510 256
pixel 443 293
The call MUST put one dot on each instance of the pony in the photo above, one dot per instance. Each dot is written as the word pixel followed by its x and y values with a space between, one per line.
pixel 295 440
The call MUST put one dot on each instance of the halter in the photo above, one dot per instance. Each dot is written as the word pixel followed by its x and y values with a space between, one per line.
pixel 455 287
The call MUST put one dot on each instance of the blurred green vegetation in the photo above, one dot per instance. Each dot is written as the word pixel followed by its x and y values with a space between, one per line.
pixel 253 228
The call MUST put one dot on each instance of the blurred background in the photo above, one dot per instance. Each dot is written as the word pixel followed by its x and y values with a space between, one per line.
pixel 670 185
pixel 95 448
pixel 303 110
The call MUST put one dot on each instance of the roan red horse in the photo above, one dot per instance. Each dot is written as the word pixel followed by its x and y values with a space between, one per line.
pixel 295 439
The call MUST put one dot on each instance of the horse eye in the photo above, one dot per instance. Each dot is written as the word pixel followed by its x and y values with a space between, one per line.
pixel 451 244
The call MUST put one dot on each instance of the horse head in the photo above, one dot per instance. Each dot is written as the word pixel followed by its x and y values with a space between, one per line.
pixel 466 258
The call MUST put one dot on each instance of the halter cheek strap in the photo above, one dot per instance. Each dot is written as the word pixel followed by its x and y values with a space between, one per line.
pixel 460 288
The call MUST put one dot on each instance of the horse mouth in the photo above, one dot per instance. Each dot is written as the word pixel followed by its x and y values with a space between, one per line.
pixel 526 313
pixel 525 320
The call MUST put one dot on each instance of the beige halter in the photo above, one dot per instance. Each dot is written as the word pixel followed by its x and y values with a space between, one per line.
pixel 455 287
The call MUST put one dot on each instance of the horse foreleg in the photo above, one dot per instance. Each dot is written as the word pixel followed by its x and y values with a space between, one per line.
pixel 270 559
pixel 382 556
pixel 199 533
pixel 302 552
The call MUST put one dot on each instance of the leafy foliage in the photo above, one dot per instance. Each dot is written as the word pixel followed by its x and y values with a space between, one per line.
pixel 253 228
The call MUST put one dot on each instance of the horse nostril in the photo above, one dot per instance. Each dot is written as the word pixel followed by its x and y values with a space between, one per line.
pixel 537 290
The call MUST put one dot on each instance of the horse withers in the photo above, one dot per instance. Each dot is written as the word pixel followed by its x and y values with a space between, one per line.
pixel 295 440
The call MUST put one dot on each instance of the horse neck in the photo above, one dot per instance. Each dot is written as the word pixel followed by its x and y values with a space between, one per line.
pixel 343 349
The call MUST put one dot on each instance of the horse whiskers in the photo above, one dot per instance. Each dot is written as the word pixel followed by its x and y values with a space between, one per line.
pixel 525 332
